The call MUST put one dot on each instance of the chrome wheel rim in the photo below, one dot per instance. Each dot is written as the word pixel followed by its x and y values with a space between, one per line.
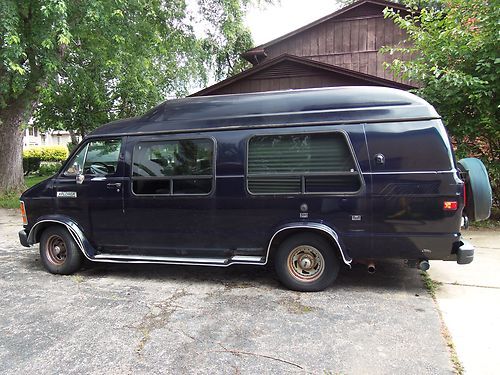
pixel 305 263
pixel 56 250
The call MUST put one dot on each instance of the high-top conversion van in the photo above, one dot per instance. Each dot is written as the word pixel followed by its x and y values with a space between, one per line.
pixel 310 179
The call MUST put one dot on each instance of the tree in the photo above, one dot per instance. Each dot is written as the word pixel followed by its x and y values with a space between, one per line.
pixel 227 37
pixel 454 59
pixel 410 3
pixel 123 65
pixel 81 64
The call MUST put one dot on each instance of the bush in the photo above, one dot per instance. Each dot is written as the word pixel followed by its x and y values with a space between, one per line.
pixel 31 164
pixel 49 168
pixel 47 153
pixel 494 174
pixel 72 146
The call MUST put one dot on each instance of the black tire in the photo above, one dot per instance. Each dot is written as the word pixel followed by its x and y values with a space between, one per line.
pixel 478 189
pixel 306 263
pixel 59 252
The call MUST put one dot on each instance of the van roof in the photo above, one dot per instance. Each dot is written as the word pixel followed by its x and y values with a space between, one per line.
pixel 336 105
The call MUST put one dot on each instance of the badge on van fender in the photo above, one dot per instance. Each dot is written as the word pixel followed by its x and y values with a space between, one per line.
pixel 66 194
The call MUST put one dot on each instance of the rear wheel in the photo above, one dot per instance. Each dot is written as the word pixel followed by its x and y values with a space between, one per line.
pixel 59 252
pixel 306 263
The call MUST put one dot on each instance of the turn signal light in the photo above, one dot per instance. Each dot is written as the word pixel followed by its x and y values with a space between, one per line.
pixel 23 214
pixel 450 206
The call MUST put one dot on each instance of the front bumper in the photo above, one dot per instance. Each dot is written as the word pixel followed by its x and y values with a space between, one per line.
pixel 23 238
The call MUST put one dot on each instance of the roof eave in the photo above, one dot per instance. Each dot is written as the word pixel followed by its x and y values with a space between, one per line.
pixel 319 65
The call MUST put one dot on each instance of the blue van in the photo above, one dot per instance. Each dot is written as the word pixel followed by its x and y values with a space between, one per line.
pixel 308 179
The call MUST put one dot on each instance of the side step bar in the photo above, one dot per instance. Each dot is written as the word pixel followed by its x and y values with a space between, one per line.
pixel 220 262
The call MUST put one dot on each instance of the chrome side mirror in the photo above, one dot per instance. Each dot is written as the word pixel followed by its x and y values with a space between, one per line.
pixel 79 178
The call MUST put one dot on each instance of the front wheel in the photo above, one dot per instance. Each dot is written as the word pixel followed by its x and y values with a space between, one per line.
pixel 59 252
pixel 306 263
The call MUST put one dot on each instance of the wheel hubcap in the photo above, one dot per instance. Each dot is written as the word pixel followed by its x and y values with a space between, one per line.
pixel 305 263
pixel 56 250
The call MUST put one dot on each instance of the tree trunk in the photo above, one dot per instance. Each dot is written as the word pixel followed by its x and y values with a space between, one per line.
pixel 73 135
pixel 11 148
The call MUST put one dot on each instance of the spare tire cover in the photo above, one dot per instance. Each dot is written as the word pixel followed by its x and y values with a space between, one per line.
pixel 479 195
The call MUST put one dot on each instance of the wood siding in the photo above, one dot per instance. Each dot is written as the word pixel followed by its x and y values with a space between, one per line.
pixel 336 50
pixel 352 43
pixel 288 75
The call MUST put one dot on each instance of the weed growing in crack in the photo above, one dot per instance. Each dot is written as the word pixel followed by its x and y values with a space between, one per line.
pixel 431 285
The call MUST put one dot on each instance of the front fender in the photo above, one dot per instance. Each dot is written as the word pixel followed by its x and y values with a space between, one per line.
pixel 72 227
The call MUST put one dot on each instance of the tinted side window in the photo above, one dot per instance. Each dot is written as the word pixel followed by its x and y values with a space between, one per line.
pixel 301 163
pixel 173 167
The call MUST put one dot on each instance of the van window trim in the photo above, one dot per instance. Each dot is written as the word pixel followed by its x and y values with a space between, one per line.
pixel 358 171
pixel 172 178
pixel 86 144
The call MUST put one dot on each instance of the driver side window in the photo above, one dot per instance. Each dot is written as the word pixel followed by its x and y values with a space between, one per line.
pixel 76 165
pixel 98 158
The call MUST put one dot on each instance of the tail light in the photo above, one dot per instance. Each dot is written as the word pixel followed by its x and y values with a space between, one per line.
pixel 450 205
pixel 23 214
pixel 465 195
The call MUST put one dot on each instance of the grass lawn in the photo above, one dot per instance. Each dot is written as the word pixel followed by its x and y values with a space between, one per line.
pixel 12 200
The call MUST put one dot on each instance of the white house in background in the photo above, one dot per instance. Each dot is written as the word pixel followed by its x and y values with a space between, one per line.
pixel 34 137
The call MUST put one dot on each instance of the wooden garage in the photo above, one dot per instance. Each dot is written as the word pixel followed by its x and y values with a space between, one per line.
pixel 340 49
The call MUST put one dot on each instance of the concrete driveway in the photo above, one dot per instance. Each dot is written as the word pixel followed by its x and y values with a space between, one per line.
pixel 469 299
pixel 163 319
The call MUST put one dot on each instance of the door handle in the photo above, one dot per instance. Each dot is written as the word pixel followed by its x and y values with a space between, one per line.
pixel 114 185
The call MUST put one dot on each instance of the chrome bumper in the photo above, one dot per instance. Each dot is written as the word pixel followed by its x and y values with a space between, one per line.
pixel 465 253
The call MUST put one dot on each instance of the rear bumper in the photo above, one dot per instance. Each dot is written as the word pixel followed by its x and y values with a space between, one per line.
pixel 462 253
pixel 465 252
pixel 23 238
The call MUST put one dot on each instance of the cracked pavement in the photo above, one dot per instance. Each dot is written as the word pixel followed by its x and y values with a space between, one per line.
pixel 123 319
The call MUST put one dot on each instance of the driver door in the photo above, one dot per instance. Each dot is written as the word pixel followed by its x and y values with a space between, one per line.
pixel 90 191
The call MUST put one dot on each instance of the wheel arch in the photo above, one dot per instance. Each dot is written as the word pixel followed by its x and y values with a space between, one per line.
pixel 322 230
pixel 74 230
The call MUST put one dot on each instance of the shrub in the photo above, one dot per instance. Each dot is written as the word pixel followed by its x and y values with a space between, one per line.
pixel 49 168
pixel 47 153
pixel 494 173
pixel 31 164
pixel 72 146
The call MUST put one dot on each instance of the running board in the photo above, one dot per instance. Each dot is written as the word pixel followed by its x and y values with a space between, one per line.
pixel 221 262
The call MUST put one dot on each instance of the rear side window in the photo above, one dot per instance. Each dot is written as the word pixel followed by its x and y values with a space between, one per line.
pixel 301 164
pixel 177 167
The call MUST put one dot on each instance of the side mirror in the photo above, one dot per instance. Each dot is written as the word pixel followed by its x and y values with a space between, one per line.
pixel 80 178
